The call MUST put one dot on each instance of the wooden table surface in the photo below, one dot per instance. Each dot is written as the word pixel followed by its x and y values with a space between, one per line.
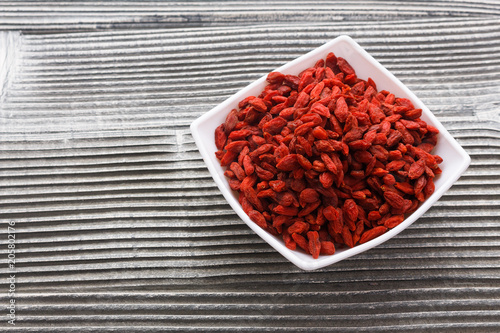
pixel 120 228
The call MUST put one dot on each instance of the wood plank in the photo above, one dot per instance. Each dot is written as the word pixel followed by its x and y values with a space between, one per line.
pixel 119 226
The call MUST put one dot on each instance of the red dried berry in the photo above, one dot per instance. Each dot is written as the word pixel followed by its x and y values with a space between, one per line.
pixel 327 248
pixel 372 233
pixel 314 244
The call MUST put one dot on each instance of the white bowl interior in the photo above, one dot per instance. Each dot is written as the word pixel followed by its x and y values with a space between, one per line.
pixel 456 160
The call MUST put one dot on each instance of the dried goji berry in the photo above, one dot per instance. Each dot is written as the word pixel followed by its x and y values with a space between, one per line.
pixel 374 215
pixel 314 243
pixel 301 242
pixel 236 146
pixel 288 211
pixel 335 217
pixel 372 233
pixel 275 77
pixel 393 221
pixel 341 110
pixel 228 157
pixel 220 136
pixel 327 248
pixel 258 218
pixel 309 208
pixel 251 196
pixel 320 133
pixel 231 120
pixel 237 170
pixel 350 209
pixel 308 195
pixel 288 163
pixel 394 199
pixel 395 165
pixel 359 144
pixel 347 237
pixel 416 169
pixel 298 227
pixel 429 188
pixel 344 66
pixel 263 173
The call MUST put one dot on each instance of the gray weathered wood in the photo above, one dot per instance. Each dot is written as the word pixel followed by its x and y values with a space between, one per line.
pixel 119 226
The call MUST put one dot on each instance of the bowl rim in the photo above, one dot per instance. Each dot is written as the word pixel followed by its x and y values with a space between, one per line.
pixel 301 260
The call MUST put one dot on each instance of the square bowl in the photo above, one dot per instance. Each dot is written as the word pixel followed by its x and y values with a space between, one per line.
pixel 455 159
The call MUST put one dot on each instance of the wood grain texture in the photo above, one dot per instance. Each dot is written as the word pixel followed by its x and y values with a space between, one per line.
pixel 38 16
pixel 119 226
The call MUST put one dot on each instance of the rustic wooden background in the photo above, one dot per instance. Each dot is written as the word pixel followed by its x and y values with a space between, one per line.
pixel 119 226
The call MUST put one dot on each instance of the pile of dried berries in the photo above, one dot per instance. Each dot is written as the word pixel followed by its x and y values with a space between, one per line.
pixel 325 160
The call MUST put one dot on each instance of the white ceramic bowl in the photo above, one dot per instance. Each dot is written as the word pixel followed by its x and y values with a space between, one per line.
pixel 455 158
